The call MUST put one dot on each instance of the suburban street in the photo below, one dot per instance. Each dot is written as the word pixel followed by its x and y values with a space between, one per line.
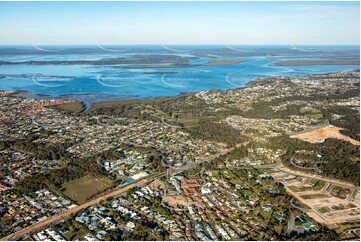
pixel 112 193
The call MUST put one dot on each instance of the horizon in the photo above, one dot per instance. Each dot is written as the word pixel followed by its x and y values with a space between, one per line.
pixel 180 23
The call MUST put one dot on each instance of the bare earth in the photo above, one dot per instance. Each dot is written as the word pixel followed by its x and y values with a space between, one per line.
pixel 117 191
pixel 157 185
pixel 175 200
pixel 318 135
pixel 323 206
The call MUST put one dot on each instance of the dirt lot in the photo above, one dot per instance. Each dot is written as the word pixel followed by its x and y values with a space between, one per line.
pixel 157 185
pixel 321 134
pixel 326 205
pixel 175 200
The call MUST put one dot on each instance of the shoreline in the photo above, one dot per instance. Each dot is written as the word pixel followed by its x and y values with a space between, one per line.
pixel 115 98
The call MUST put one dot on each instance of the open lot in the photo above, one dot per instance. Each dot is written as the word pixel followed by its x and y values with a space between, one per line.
pixel 80 190
pixel 330 202
pixel 157 185
pixel 318 135
pixel 75 107
pixel 174 201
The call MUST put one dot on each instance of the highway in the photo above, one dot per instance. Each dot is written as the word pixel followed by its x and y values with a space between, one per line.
pixel 171 171
pixel 318 177
pixel 114 192
pixel 117 191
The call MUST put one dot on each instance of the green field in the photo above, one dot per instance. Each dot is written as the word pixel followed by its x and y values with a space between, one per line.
pixel 235 181
pixel 299 188
pixel 335 190
pixel 343 207
pixel 343 193
pixel 114 104
pixel 314 196
pixel 75 107
pixel 80 190
pixel 319 185
pixel 324 210
pixel 309 110
pixel 315 116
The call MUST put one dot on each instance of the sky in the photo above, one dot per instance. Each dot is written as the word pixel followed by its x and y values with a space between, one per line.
pixel 171 23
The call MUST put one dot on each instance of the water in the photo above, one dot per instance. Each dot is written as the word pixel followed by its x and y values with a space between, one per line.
pixel 91 83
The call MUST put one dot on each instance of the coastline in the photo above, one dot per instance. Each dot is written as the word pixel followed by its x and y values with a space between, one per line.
pixel 96 97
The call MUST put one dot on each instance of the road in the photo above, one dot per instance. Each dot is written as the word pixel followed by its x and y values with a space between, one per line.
pixel 117 191
pixel 318 177
pixel 112 193
pixel 282 168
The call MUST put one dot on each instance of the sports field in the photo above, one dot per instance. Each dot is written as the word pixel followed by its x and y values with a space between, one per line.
pixel 80 190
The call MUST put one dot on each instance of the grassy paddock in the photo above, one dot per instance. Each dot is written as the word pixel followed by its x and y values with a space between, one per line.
pixel 75 107
pixel 80 190
pixel 314 196
pixel 114 104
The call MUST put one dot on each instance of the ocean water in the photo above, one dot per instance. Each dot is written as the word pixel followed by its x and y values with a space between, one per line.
pixel 92 83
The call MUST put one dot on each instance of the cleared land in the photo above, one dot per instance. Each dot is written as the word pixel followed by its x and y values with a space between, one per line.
pixel 175 200
pixel 318 135
pixel 80 190
pixel 157 185
pixel 322 203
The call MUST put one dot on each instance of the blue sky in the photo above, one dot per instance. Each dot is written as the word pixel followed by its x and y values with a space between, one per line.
pixel 297 23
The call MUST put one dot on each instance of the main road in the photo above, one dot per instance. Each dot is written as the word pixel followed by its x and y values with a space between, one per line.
pixel 117 191
pixel 114 192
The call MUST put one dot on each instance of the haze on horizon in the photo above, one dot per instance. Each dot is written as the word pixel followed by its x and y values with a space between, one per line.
pixel 256 23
